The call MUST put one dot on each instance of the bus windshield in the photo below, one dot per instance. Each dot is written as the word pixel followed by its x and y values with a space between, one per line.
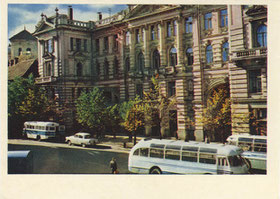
pixel 235 160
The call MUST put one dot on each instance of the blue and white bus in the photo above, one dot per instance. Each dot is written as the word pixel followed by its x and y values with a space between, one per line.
pixel 43 130
pixel 254 147
pixel 153 156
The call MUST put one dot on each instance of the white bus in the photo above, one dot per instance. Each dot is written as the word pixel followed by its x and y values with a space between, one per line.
pixel 254 147
pixel 43 130
pixel 153 156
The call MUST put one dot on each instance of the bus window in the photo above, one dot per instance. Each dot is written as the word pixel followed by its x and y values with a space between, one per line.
pixel 156 153
pixel 245 143
pixel 52 128
pixel 144 152
pixel 172 155
pixel 189 156
pixel 136 152
pixel 235 160
pixel 222 162
pixel 207 158
pixel 260 145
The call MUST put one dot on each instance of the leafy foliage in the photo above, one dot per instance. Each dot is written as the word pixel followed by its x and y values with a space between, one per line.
pixel 91 110
pixel 217 114
pixel 26 101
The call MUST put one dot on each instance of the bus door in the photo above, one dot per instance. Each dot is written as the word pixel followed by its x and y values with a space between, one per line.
pixel 222 166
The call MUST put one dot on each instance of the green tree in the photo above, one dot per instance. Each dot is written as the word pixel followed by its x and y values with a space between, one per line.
pixel 216 118
pixel 26 101
pixel 157 106
pixel 92 112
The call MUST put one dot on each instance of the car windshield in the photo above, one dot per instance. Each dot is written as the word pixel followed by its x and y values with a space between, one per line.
pixel 235 160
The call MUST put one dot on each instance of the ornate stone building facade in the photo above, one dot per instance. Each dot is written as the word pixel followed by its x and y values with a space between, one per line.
pixel 192 48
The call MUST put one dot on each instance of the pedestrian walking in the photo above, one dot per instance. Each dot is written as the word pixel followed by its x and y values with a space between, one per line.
pixel 113 166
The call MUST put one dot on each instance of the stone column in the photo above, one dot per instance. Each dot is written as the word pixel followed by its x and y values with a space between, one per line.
pixel 162 47
pixel 198 81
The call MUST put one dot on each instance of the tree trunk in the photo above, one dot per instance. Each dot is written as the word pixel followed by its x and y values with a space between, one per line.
pixel 134 142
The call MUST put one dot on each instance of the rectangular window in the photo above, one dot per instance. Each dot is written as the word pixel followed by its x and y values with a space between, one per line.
pixel 207 158
pixel 168 29
pixel 156 153
pixel 255 83
pixel 78 44
pixel 171 89
pixel 188 25
pixel 139 90
pixel 144 152
pixel 245 144
pixel 71 43
pixel 106 43
pixel 208 21
pixel 85 45
pixel 50 49
pixel 189 156
pixel 224 18
pixel 152 32
pixel 137 36
pixel 116 42
pixel 97 45
pixel 172 155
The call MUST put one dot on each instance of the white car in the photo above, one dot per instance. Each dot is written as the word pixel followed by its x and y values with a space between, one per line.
pixel 81 138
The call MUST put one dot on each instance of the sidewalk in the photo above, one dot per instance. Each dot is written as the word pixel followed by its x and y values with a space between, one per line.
pixel 119 143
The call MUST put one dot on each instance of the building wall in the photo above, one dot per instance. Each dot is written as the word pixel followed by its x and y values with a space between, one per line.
pixel 193 81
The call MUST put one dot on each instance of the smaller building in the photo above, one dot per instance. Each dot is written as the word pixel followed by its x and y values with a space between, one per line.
pixel 23 46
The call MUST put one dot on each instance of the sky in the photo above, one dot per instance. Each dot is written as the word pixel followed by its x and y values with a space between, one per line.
pixel 28 15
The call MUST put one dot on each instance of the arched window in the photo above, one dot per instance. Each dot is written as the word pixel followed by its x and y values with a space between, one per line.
pixel 140 63
pixel 156 60
pixel 209 54
pixel 79 69
pixel 19 51
pixel 225 51
pixel 173 56
pixel 28 50
pixel 127 64
pixel 106 69
pixel 261 36
pixel 189 55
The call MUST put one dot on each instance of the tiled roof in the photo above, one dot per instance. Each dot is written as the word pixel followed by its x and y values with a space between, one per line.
pixel 20 69
pixel 23 35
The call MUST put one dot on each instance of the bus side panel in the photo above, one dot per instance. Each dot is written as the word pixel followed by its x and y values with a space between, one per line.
pixel 139 164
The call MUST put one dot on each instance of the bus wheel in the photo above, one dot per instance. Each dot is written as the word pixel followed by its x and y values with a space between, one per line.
pixel 69 143
pixel 38 138
pixel 155 170
pixel 248 163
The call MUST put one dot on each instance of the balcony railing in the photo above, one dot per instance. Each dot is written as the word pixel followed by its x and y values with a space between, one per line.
pixel 80 23
pixel 42 80
pixel 250 53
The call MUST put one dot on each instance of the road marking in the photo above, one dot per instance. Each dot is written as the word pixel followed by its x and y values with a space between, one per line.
pixel 93 152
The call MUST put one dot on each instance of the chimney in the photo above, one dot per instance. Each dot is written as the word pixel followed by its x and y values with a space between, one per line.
pixel 70 12
pixel 99 15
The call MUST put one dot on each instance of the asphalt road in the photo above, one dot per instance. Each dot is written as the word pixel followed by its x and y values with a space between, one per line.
pixel 54 159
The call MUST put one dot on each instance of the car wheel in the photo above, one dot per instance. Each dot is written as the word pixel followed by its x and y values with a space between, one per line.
pixel 69 143
pixel 83 145
pixel 155 170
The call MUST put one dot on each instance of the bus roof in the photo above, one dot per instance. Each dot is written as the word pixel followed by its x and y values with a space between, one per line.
pixel 222 149
pixel 235 137
pixel 41 123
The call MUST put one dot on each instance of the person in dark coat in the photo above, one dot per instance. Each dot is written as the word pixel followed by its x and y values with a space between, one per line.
pixel 113 165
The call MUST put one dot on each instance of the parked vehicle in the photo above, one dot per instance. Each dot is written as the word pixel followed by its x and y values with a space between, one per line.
pixel 81 138
pixel 43 130
pixel 20 162
pixel 153 156
pixel 254 147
